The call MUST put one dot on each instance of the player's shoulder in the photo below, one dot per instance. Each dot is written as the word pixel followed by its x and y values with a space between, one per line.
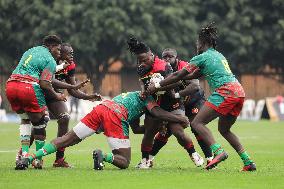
pixel 159 64
pixel 201 57
pixel 182 64
pixel 40 50
pixel 72 66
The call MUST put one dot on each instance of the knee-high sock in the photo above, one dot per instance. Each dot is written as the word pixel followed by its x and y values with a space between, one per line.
pixel 159 142
pixel 25 136
pixel 45 150
pixel 39 144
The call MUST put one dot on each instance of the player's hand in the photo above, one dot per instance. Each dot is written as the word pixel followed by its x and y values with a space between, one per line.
pixel 61 97
pixel 95 97
pixel 81 84
pixel 151 89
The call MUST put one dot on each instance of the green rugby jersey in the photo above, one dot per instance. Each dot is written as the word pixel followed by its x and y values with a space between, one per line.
pixel 37 63
pixel 214 66
pixel 134 104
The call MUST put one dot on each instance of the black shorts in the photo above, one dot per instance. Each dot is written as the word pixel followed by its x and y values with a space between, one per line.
pixel 195 103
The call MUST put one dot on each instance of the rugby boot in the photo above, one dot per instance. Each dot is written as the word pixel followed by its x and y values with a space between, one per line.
pixel 250 167
pixel 216 160
pixel 98 159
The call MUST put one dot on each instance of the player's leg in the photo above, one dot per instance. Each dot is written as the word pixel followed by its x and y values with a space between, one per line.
pixel 117 133
pixel 151 128
pixel 39 123
pixel 192 107
pixel 76 135
pixel 204 116
pixel 25 135
pixel 119 157
pixel 160 140
pixel 77 107
pixel 25 132
pixel 59 110
pixel 224 126
pixel 15 92
pixel 204 147
pixel 86 127
pixel 185 141
pixel 122 157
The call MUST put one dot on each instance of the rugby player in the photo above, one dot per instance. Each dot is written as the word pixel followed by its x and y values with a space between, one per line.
pixel 26 87
pixel 58 109
pixel 193 102
pixel 113 118
pixel 225 101
pixel 147 66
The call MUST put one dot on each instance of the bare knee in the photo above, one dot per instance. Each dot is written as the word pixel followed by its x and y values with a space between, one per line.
pixel 39 133
pixel 63 119
pixel 195 125
pixel 125 164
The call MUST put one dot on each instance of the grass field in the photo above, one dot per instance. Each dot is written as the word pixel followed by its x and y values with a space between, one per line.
pixel 173 169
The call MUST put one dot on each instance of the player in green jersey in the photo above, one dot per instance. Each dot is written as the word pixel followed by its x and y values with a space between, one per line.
pixel 25 88
pixel 113 117
pixel 225 101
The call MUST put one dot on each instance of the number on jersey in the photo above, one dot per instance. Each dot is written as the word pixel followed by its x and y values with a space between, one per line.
pixel 124 94
pixel 28 60
pixel 226 66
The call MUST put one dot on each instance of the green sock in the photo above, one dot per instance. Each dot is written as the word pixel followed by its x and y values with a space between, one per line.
pixel 45 150
pixel 25 143
pixel 25 148
pixel 108 157
pixel 216 149
pixel 245 157
pixel 39 144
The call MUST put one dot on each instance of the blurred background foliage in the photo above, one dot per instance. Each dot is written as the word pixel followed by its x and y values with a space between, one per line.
pixel 250 32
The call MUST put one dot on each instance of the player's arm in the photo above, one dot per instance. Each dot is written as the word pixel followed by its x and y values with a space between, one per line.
pixel 192 87
pixel 171 86
pixel 189 72
pixel 136 127
pixel 62 85
pixel 167 83
pixel 142 86
pixel 79 94
pixel 158 112
pixel 174 77
pixel 45 84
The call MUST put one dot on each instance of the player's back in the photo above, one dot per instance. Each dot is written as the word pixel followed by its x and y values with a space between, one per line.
pixel 214 66
pixel 133 103
pixel 34 61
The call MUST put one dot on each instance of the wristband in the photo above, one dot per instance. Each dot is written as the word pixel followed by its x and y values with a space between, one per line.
pixel 157 85
pixel 177 95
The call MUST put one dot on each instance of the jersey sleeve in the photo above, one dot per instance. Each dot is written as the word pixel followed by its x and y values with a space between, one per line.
pixel 71 69
pixel 195 64
pixel 198 60
pixel 48 70
pixel 150 103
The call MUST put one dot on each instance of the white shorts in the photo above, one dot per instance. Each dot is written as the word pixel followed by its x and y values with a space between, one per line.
pixel 82 131
pixel 116 143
